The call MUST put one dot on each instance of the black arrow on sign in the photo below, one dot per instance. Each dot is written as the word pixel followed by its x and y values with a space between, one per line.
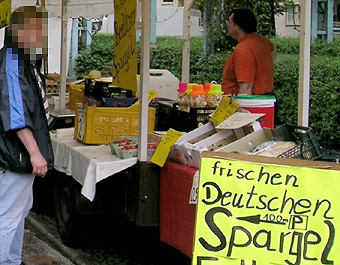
pixel 256 219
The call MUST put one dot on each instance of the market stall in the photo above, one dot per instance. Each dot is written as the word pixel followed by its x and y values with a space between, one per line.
pixel 177 234
pixel 85 8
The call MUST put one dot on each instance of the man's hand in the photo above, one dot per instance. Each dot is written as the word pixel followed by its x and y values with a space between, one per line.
pixel 38 162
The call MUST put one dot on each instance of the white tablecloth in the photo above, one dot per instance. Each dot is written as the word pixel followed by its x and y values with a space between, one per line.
pixel 87 164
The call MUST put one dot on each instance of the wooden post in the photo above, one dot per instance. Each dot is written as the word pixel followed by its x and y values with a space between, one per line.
pixel 186 41
pixel 63 56
pixel 144 80
pixel 304 69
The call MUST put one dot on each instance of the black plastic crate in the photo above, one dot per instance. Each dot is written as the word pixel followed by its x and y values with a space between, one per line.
pixel 170 116
pixel 102 89
pixel 307 145
pixel 164 114
pixel 329 156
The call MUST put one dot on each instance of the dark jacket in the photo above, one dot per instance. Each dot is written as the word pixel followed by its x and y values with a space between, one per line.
pixel 21 107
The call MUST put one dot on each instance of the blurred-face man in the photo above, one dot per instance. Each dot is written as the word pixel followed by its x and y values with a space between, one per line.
pixel 26 149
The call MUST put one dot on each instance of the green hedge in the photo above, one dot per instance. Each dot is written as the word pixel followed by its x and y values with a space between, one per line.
pixel 100 53
pixel 324 99
pixel 324 85
pixel 203 69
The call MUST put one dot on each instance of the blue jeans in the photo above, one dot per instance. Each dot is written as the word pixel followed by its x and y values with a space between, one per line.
pixel 16 199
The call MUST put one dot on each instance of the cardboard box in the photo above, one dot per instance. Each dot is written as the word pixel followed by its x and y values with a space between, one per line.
pixel 248 142
pixel 191 137
pixel 156 136
pixel 275 160
pixel 53 101
pixel 235 127
pixel 198 134
pixel 191 153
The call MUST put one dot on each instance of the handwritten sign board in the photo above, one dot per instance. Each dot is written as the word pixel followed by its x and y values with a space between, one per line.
pixel 5 12
pixel 262 213
pixel 224 110
pixel 124 71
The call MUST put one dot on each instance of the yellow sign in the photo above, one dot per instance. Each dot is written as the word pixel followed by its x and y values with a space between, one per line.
pixel 124 69
pixel 250 213
pixel 5 12
pixel 151 97
pixel 163 149
pixel 224 110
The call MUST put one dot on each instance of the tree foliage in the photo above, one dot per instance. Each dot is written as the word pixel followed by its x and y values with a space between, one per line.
pixel 217 13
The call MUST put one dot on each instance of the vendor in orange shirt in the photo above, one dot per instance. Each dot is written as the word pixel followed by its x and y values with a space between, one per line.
pixel 249 69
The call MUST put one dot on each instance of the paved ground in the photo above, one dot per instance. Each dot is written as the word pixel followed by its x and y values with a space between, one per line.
pixel 38 252
pixel 124 244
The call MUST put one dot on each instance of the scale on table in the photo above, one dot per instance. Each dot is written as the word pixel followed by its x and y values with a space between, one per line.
pixel 61 119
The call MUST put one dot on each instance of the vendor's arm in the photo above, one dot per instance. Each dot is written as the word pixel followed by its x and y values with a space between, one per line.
pixel 38 162
pixel 245 88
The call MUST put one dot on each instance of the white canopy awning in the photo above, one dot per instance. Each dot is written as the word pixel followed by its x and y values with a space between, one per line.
pixel 76 8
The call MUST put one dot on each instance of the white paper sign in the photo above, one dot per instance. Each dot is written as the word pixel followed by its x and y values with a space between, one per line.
pixel 81 123
pixel 194 188
pixel 238 120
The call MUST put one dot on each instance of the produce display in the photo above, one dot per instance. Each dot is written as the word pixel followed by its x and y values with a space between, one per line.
pixel 128 148
pixel 272 148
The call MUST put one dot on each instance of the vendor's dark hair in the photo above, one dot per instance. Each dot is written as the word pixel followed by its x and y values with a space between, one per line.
pixel 245 19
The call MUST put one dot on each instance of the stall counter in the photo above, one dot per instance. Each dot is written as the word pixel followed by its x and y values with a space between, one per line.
pixel 87 164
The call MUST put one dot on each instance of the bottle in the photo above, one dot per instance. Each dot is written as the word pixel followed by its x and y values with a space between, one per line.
pixel 214 96
pixel 182 96
pixel 198 97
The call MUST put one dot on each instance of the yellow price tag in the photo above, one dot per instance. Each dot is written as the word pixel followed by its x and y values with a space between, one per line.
pixel 224 110
pixel 163 148
pixel 151 97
